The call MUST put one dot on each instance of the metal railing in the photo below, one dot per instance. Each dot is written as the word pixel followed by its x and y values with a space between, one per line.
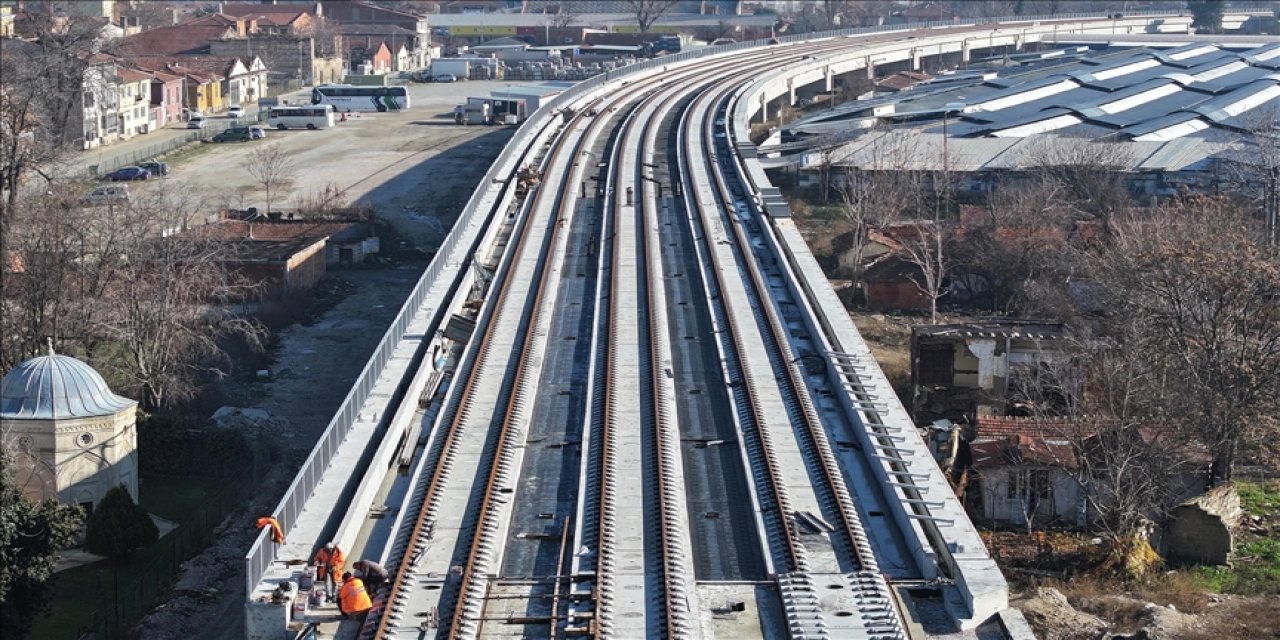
pixel 262 554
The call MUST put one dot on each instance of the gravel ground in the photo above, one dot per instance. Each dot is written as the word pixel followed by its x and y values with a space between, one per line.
pixel 416 169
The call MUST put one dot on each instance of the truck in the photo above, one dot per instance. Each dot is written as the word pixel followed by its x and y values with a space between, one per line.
pixel 473 113
pixel 459 69
pixel 504 110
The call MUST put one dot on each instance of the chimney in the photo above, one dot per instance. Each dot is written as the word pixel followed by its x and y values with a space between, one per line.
pixel 250 229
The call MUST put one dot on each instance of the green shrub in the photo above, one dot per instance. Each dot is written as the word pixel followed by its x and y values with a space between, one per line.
pixel 118 526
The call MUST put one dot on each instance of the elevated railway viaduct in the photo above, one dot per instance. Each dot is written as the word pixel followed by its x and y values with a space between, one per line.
pixel 624 402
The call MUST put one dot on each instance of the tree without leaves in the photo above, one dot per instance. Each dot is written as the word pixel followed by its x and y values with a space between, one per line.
pixel 1092 174
pixel 31 534
pixel 565 15
pixel 1092 398
pixel 1252 169
pixel 647 12
pixel 173 302
pixel 118 527
pixel 41 113
pixel 1204 293
pixel 272 167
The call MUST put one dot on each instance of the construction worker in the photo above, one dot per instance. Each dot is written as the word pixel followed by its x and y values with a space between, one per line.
pixel 329 562
pixel 353 600
pixel 372 573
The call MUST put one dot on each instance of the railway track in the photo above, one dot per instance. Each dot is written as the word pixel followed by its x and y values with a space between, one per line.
pixel 637 521
pixel 643 242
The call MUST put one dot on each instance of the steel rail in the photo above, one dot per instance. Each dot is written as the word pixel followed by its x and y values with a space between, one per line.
pixel 449 446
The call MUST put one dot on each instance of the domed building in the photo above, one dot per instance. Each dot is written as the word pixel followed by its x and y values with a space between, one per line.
pixel 68 436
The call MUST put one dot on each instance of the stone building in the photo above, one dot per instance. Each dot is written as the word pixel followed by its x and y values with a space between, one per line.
pixel 68 435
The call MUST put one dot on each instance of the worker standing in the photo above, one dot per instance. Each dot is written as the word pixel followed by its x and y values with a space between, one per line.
pixel 372 573
pixel 353 600
pixel 329 562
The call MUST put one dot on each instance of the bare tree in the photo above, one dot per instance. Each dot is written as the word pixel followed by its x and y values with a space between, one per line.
pixel 1093 174
pixel 48 82
pixel 1012 246
pixel 174 305
pixel 565 15
pixel 647 12
pixel 1095 401
pixel 1210 318
pixel 271 167
pixel 1253 167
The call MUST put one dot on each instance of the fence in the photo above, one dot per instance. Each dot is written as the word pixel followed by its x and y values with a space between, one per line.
pixel 121 605
pixel 108 159
pixel 262 554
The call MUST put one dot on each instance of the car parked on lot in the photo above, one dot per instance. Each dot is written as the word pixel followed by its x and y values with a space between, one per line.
pixel 445 77
pixel 257 133
pixel 155 168
pixel 128 173
pixel 235 134
pixel 196 122
pixel 106 194
pixel 235 111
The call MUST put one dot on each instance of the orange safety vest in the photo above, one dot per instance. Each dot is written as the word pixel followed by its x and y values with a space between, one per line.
pixel 327 561
pixel 277 534
pixel 352 598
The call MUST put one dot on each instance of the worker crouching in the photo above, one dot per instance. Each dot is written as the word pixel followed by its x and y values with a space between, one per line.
pixel 353 600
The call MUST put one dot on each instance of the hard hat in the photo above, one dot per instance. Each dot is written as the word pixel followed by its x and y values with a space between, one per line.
pixel 330 546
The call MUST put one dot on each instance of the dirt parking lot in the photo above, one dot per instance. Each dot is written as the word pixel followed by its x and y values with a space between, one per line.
pixel 416 168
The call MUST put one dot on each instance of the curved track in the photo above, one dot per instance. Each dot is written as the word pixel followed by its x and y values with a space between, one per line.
pixel 632 444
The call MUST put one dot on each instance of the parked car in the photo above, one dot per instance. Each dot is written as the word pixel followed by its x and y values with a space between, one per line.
pixel 106 194
pixel 128 173
pixel 235 134
pixel 155 168
pixel 257 133
pixel 235 111
pixel 196 122
pixel 445 77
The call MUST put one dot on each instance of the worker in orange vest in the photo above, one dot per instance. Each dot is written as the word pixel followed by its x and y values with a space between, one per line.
pixel 353 600
pixel 329 562
pixel 277 534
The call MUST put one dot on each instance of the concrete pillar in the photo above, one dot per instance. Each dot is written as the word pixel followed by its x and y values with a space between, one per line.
pixel 791 91
pixel 764 108
pixel 871 69
pixel 915 58
pixel 826 79
pixel 964 51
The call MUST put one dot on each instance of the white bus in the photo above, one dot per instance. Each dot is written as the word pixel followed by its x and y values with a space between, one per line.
pixel 346 97
pixel 312 117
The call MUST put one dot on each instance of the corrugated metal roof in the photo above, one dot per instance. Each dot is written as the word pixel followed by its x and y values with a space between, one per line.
pixel 56 387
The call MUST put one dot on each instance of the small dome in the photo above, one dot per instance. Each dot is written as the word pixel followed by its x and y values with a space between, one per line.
pixel 55 387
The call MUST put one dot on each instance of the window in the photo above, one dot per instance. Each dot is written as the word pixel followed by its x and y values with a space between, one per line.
pixel 935 364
